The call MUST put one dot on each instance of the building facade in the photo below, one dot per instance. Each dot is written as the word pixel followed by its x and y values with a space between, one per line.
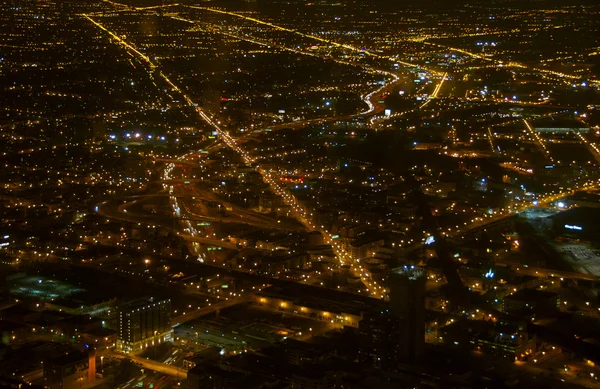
pixel 144 323
pixel 407 305
pixel 70 371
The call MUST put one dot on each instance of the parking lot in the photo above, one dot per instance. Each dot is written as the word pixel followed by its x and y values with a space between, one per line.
pixel 582 258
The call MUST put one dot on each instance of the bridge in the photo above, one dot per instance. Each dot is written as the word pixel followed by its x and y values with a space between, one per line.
pixel 160 367
pixel 178 320
pixel 551 273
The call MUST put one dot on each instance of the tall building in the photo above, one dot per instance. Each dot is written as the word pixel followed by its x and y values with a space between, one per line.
pixel 144 323
pixel 407 304
pixel 378 340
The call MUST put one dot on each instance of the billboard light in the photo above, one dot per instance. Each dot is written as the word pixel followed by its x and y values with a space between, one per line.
pixel 570 227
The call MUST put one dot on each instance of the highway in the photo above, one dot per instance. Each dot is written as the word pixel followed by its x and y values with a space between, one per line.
pixel 436 91
pixel 120 213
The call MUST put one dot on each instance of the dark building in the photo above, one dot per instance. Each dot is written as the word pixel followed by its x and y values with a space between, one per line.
pixel 143 323
pixel 531 303
pixel 314 377
pixel 215 377
pixel 378 340
pixel 579 223
pixel 69 371
pixel 505 339
pixel 268 202
pixel 407 304
pixel 315 239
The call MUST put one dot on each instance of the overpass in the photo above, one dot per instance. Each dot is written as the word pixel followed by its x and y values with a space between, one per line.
pixel 543 272
pixel 209 241
pixel 178 320
pixel 177 162
pixel 160 367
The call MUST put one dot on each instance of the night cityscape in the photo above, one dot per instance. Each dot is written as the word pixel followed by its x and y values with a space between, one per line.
pixel 269 194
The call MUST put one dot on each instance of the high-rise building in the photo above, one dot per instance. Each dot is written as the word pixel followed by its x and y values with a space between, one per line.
pixel 144 323
pixel 378 340
pixel 407 304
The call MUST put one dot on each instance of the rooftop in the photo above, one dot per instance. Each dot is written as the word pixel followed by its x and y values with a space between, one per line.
pixel 531 295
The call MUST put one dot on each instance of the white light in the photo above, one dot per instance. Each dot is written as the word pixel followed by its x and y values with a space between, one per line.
pixel 570 227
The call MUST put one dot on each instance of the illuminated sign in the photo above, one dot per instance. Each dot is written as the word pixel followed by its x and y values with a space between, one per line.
pixel 570 227
pixel 430 240
pixel 335 236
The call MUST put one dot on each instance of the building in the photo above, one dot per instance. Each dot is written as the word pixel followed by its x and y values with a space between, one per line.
pixel 144 323
pixel 376 334
pixel 407 304
pixel 315 239
pixel 70 371
pixel 364 248
pixel 268 202
pixel 531 303
pixel 337 308
pixel 579 223
pixel 314 377
pixel 508 340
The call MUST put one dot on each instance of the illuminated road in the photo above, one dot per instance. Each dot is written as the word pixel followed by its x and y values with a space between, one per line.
pixel 302 214
pixel 309 36
pixel 542 272
pixel 592 147
pixel 150 364
pixel 483 222
pixel 559 76
pixel 538 141
pixel 189 316
pixel 369 99
pixel 435 91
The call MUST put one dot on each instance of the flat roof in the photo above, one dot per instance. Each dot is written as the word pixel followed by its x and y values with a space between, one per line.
pixel 68 358
pixel 529 294
pixel 321 298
